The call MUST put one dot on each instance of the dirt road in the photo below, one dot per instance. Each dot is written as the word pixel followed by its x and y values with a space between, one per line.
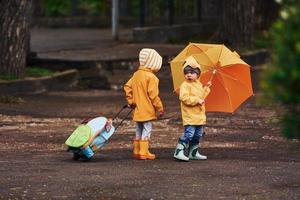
pixel 246 157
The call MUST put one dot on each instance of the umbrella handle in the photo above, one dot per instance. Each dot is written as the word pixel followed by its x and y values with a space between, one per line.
pixel 213 73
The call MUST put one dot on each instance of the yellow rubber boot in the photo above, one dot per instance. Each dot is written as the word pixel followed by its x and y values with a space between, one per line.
pixel 144 151
pixel 136 148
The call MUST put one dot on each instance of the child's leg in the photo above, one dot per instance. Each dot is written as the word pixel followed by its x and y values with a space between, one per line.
pixel 197 134
pixel 138 130
pixel 189 132
pixel 136 141
pixel 183 142
pixel 147 128
pixel 144 142
pixel 194 144
pixel 88 153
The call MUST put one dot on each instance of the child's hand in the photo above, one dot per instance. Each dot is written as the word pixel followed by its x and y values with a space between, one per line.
pixel 108 125
pixel 201 102
pixel 132 106
pixel 161 113
pixel 208 84
pixel 109 121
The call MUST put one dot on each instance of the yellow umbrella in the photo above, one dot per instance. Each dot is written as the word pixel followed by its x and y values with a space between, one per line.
pixel 230 75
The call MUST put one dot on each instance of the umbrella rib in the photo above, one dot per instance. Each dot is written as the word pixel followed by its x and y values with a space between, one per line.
pixel 221 52
pixel 206 56
pixel 229 96
pixel 227 75
pixel 222 81
pixel 231 77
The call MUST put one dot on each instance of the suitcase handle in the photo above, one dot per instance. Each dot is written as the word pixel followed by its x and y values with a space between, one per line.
pixel 119 112
pixel 85 121
pixel 124 107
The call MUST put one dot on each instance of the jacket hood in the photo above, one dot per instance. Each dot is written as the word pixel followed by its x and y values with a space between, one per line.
pixel 149 58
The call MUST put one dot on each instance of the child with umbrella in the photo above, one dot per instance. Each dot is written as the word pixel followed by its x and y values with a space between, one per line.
pixel 192 96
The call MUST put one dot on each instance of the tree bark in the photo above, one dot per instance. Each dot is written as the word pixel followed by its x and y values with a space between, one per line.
pixel 14 36
pixel 266 12
pixel 238 23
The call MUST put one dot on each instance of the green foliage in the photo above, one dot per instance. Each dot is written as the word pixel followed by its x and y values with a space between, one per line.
pixel 281 81
pixel 30 72
pixel 64 7
pixel 57 7
pixel 134 7
pixel 90 7
pixel 291 125
pixel 262 40
pixel 8 77
pixel 37 72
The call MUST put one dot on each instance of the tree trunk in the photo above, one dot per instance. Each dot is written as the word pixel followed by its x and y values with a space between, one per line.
pixel 266 12
pixel 14 34
pixel 237 24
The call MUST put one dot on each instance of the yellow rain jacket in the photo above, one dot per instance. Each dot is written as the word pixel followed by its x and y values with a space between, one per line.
pixel 142 91
pixel 190 94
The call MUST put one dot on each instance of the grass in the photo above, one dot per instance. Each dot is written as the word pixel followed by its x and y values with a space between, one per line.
pixel 8 77
pixel 8 99
pixel 38 72
pixel 30 72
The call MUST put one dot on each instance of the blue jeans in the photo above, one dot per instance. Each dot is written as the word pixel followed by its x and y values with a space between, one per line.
pixel 192 134
pixel 88 152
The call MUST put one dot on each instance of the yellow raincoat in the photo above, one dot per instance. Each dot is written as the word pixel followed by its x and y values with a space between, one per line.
pixel 142 90
pixel 190 94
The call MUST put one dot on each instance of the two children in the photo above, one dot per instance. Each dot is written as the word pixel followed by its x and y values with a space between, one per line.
pixel 142 94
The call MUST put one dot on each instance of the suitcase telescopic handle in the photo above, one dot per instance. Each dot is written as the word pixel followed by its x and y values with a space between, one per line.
pixel 124 107
pixel 116 115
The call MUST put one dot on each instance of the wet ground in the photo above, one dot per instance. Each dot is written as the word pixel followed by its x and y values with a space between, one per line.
pixel 247 159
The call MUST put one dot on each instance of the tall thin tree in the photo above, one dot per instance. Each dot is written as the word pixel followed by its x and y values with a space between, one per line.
pixel 238 23
pixel 14 36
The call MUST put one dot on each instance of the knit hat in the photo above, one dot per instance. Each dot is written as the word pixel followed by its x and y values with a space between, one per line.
pixel 190 64
pixel 149 58
pixel 188 69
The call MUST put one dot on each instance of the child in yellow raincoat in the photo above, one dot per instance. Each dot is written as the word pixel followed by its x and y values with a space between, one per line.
pixel 142 94
pixel 192 96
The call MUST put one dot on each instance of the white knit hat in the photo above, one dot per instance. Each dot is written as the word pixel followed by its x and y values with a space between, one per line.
pixel 151 59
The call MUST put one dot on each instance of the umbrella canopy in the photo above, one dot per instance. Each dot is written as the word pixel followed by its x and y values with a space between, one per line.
pixel 230 75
